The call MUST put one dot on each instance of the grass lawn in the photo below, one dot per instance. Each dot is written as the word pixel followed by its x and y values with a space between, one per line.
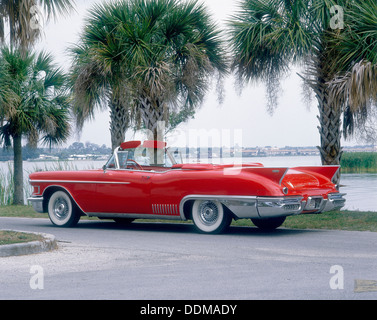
pixel 20 211
pixel 10 237
pixel 335 220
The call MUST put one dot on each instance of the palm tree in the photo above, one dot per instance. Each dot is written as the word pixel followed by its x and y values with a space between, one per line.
pixel 176 66
pixel 97 73
pixel 269 36
pixel 151 57
pixel 355 84
pixel 34 104
pixel 24 19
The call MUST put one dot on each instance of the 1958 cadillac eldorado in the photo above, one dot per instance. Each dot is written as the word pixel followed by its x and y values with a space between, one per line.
pixel 147 180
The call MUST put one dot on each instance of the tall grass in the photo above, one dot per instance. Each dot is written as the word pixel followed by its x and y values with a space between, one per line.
pixel 7 179
pixel 359 162
pixel 6 186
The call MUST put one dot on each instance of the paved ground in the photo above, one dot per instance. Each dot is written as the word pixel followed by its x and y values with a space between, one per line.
pixel 102 260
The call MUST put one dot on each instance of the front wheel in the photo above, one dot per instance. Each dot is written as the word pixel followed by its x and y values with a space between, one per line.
pixel 62 211
pixel 269 224
pixel 209 216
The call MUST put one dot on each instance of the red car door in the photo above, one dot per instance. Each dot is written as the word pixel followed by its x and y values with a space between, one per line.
pixel 123 191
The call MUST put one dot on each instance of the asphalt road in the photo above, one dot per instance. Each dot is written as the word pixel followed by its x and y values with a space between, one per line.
pixel 102 260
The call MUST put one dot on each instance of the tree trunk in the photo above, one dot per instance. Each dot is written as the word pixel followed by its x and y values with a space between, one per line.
pixel 154 121
pixel 152 117
pixel 329 120
pixel 330 133
pixel 18 196
pixel 119 122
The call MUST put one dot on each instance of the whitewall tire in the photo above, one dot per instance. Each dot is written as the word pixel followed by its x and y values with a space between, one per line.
pixel 62 211
pixel 209 216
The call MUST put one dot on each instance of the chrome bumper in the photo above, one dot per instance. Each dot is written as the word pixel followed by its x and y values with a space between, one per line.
pixel 264 207
pixel 273 207
pixel 276 207
pixel 335 201
pixel 37 203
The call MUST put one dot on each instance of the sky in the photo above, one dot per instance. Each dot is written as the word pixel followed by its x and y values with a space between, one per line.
pixel 241 119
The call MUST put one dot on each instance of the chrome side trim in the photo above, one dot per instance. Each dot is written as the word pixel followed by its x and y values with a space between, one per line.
pixel 283 176
pixel 78 181
pixel 241 206
pixel 171 209
pixel 245 207
pixel 132 215
pixel 116 158
pixel 38 190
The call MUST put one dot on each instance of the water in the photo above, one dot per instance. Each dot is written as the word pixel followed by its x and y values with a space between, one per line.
pixel 361 189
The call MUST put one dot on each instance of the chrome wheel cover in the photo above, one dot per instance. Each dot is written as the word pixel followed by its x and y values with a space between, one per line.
pixel 208 212
pixel 61 208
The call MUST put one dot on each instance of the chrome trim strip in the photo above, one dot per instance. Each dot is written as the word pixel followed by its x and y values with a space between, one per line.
pixel 223 199
pixel 167 209
pixel 116 158
pixel 132 215
pixel 245 207
pixel 38 190
pixel 282 177
pixel 78 181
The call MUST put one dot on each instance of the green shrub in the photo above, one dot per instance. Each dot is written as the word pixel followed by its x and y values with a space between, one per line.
pixel 359 162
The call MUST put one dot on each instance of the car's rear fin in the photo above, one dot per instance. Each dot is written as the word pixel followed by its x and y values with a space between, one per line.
pixel 327 171
pixel 274 174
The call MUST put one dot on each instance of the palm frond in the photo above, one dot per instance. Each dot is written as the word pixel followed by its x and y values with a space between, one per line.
pixel 357 88
pixel 160 52
pixel 355 61
pixel 53 8
pixel 34 103
pixel 22 15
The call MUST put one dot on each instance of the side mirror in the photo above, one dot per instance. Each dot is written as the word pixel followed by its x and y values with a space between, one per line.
pixel 104 167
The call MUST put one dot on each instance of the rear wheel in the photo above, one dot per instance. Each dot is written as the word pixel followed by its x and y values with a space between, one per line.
pixel 269 223
pixel 62 211
pixel 209 216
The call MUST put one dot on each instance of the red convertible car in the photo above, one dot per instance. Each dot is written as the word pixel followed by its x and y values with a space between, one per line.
pixel 148 180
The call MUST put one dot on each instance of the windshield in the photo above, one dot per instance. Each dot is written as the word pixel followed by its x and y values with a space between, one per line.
pixel 142 158
pixel 110 164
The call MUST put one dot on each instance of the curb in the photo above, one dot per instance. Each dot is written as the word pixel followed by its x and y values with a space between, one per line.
pixel 19 249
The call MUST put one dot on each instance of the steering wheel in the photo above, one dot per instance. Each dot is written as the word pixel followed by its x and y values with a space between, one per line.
pixel 134 163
